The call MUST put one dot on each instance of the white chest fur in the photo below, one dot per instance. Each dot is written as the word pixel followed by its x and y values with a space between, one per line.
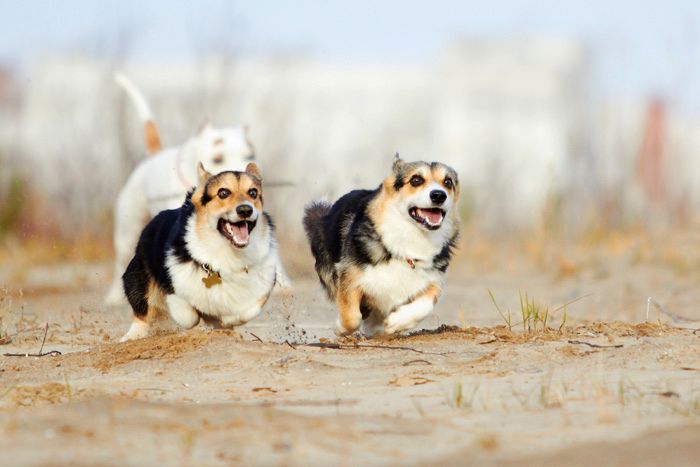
pixel 392 283
pixel 235 300
pixel 247 276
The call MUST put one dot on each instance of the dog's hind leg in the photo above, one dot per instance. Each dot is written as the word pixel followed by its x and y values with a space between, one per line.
pixel 137 285
pixel 130 215
pixel 349 298
pixel 409 315
pixel 182 312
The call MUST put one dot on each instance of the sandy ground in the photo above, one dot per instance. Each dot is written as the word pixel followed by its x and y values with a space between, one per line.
pixel 604 388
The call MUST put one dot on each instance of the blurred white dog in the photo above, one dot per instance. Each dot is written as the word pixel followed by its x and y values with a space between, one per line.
pixel 162 180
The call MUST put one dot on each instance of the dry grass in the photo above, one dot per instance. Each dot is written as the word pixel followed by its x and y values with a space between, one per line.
pixel 534 316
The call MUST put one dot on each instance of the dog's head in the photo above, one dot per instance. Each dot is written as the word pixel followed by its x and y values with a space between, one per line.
pixel 220 149
pixel 229 202
pixel 425 191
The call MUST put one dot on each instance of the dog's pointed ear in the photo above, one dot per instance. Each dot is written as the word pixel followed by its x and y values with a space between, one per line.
pixel 202 174
pixel 397 163
pixel 253 169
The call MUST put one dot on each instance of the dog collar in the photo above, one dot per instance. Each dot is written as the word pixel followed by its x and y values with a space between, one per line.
pixel 213 277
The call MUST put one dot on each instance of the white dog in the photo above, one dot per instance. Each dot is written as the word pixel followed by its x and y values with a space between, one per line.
pixel 161 181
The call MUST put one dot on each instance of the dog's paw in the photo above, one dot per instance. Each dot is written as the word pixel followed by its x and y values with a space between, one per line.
pixel 398 322
pixel 341 330
pixel 138 330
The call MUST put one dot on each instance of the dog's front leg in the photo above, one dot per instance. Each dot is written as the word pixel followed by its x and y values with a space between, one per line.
pixel 409 315
pixel 182 312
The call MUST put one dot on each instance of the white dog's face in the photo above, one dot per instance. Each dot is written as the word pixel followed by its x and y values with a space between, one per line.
pixel 221 149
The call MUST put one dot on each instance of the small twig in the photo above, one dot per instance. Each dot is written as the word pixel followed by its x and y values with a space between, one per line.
pixel 667 394
pixel 41 349
pixel 330 345
pixel 596 346
pixel 46 331
pixel 50 352
pixel 414 362
pixel 255 337
pixel 290 344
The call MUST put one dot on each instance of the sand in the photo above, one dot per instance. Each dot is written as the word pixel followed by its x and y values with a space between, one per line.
pixel 605 387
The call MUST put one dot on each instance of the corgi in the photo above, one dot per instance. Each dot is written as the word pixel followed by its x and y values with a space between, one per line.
pixel 382 254
pixel 215 258
pixel 160 181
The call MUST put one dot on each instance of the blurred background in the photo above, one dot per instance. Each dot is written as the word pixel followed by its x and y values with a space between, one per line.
pixel 561 117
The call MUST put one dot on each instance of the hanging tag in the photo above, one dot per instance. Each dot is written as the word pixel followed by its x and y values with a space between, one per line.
pixel 213 278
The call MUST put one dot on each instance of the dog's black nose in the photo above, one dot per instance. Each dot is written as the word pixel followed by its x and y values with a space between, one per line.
pixel 244 211
pixel 438 196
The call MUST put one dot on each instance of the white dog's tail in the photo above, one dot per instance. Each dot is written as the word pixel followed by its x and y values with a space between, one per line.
pixel 153 144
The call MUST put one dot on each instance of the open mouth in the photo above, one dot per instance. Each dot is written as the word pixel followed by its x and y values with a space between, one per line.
pixel 430 218
pixel 238 233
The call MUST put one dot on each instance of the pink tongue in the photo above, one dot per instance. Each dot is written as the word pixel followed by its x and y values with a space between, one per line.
pixel 240 232
pixel 433 217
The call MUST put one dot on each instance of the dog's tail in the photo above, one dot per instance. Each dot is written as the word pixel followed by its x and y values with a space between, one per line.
pixel 313 225
pixel 313 213
pixel 153 144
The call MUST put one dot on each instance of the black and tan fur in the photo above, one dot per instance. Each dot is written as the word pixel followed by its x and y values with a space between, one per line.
pixel 221 230
pixel 375 253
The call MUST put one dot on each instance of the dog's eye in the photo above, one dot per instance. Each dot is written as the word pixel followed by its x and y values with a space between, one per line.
pixel 416 180
pixel 253 193
pixel 249 157
pixel 448 183
pixel 223 193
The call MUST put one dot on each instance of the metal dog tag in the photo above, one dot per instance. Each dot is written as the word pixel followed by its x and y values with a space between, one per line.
pixel 213 278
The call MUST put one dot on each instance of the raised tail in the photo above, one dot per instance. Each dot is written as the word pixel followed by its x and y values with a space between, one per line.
pixel 313 225
pixel 152 137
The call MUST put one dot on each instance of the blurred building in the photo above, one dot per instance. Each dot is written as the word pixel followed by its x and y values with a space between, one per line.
pixel 515 118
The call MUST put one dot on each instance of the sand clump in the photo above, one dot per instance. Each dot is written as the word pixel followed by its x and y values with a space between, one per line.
pixel 162 347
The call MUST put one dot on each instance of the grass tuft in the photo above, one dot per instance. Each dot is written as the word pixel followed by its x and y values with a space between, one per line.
pixel 534 317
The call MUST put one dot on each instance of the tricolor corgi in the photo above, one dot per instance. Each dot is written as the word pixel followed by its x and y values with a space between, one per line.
pixel 382 254
pixel 214 258
pixel 160 181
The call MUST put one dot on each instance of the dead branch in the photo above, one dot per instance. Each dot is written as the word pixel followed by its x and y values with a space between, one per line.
pixel 41 349
pixel 330 345
pixel 596 346
pixel 255 337
pixel 415 362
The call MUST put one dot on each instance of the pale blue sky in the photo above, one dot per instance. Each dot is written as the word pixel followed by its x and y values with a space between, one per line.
pixel 640 47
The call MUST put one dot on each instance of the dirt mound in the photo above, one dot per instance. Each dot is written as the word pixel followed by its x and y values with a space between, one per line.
pixel 165 347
